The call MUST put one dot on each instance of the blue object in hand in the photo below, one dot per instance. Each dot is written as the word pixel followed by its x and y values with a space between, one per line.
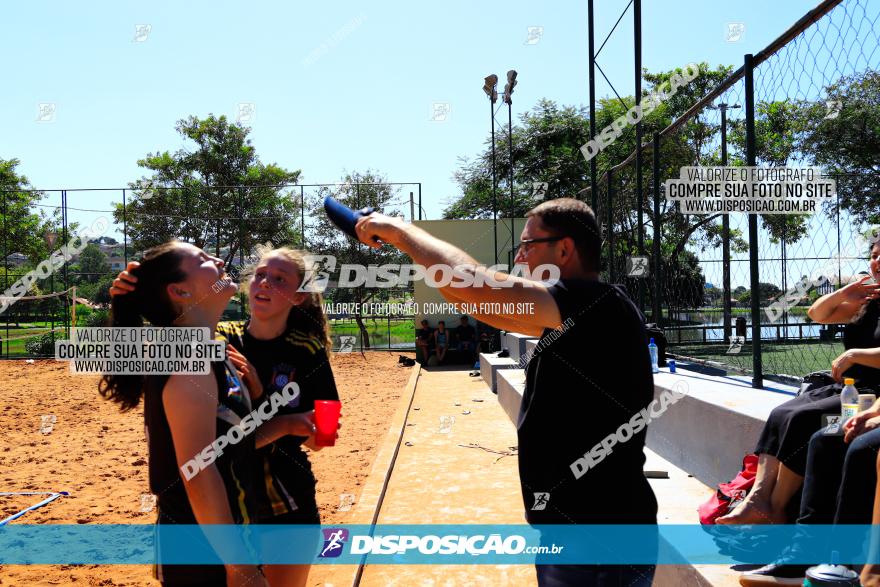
pixel 344 217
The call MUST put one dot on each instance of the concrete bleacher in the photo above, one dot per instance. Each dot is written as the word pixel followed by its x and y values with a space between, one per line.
pixel 700 441
pixel 515 343
pixel 490 364
pixel 722 415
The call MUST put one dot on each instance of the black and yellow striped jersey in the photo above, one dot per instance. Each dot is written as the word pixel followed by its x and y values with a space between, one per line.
pixel 283 467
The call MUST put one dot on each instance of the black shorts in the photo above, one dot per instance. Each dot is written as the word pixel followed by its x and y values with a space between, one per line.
pixel 786 435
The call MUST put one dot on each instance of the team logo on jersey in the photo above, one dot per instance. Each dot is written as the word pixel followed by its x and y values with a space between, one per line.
pixel 282 374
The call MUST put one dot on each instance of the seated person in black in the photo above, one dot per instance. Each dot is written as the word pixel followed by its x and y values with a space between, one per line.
pixel 781 449
pixel 424 341
pixel 466 336
pixel 839 488
pixel 185 413
pixel 581 385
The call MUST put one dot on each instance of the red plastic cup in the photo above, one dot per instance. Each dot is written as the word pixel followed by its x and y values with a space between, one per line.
pixel 327 421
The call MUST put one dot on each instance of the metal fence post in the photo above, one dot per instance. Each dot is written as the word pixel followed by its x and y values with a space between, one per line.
pixel 656 311
pixel 124 230
pixel 594 188
pixel 757 376
pixel 725 243
pixel 637 36
pixel 610 227
pixel 6 261
pixel 66 239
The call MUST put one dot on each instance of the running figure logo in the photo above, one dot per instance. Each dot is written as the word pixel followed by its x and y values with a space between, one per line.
pixel 534 35
pixel 637 266
pixel 333 542
pixel 539 189
pixel 47 423
pixel 541 499
pixel 831 425
pixel 735 31
pixel 315 278
pixel 833 107
pixel 346 343
pixel 736 344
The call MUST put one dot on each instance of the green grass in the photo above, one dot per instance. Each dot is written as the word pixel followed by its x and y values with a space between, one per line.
pixel 796 359
pixel 17 346
pixel 402 331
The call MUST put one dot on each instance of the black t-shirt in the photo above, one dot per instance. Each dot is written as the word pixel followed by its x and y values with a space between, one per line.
pixel 465 333
pixel 234 464
pixel 864 334
pixel 425 334
pixel 580 387
pixel 283 472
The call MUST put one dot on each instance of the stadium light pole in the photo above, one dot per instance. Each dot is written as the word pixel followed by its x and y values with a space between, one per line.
pixel 489 85
pixel 725 228
pixel 508 90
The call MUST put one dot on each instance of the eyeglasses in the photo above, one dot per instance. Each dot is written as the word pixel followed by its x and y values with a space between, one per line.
pixel 524 246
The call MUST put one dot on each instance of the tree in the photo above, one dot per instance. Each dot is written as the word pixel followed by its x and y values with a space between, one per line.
pixel 356 193
pixel 848 145
pixel 92 264
pixel 22 230
pixel 546 148
pixel 766 291
pixel 219 193
pixel 714 295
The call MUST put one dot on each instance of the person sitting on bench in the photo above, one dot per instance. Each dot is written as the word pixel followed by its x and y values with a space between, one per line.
pixel 781 449
pixel 424 341
pixel 441 341
pixel 466 339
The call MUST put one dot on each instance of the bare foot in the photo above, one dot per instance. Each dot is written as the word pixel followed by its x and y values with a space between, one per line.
pixel 752 511
pixel 870 576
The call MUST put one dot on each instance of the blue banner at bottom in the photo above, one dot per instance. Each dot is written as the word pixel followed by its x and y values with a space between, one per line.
pixel 436 544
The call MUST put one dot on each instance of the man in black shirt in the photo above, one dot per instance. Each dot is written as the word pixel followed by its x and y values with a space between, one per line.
pixel 466 335
pixel 589 377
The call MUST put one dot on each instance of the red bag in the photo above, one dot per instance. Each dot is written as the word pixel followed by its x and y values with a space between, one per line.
pixel 729 495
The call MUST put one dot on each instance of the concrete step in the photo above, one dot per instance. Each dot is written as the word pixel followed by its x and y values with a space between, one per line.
pixel 510 384
pixel 531 346
pixel 489 367
pixel 516 344
pixel 721 415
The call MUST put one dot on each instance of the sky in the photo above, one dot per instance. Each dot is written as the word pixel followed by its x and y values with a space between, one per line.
pixel 347 86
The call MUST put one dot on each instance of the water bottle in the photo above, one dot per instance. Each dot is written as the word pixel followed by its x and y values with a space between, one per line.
pixel 652 348
pixel 849 401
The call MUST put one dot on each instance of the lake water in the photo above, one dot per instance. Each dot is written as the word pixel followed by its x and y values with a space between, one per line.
pixel 807 328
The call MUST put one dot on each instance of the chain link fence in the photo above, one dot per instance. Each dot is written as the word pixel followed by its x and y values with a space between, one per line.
pixel 228 222
pixel 811 98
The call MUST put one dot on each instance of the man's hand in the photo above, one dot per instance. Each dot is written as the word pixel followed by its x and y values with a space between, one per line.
pixel 246 371
pixel 844 361
pixel 386 228
pixel 125 281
